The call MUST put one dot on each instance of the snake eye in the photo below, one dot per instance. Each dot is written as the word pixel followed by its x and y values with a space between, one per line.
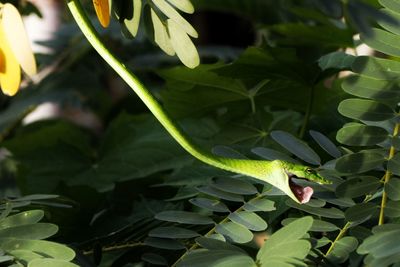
pixel 310 171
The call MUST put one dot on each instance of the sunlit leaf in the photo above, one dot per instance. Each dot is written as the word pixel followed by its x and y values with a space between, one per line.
pixel 179 21
pixel 383 41
pixel 29 231
pixel 133 24
pixel 317 226
pixel 161 35
pixel 296 146
pixel 23 218
pixel 102 9
pixel 357 134
pixel 377 68
pixel 234 232
pixel 183 217
pixel 183 5
pixel 359 162
pixel 50 263
pixel 182 44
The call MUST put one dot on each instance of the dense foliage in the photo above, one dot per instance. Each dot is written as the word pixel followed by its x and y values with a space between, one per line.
pixel 106 185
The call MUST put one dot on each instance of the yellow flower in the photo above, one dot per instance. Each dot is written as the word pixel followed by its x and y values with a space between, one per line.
pixel 15 50
pixel 102 11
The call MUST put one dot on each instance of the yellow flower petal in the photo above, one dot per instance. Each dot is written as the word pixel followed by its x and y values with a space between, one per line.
pixel 15 33
pixel 103 11
pixel 10 72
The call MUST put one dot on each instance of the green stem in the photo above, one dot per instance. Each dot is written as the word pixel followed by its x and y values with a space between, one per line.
pixel 387 176
pixel 116 247
pixel 338 237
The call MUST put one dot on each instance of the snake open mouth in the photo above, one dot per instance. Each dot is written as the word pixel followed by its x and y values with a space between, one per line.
pixel 303 194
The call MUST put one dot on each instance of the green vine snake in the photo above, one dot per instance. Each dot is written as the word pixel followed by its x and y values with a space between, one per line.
pixel 277 173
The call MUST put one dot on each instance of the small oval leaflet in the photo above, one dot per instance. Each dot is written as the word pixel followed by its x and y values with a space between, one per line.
pixel 317 226
pixel 216 258
pixel 360 212
pixel 234 186
pixel 248 219
pixel 383 41
pixel 172 232
pixel 296 146
pixel 271 154
pixel 163 243
pixel 359 162
pixel 185 217
pixel 209 190
pixel 363 109
pixel 358 186
pixel 154 259
pixel 325 143
pixel 392 188
pixel 261 204
pixel 235 232
pixel 394 164
pixel 210 204
pixel 361 135
pixel 26 217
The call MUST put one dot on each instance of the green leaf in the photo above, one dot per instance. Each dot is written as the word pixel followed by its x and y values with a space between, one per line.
pixel 50 263
pixel 284 245
pixel 271 154
pixel 356 134
pixel 394 164
pixel 383 41
pixel 371 88
pixel 29 231
pixel 323 212
pixel 235 232
pixel 25 255
pixel 393 5
pixel 359 162
pixel 182 44
pixel 317 226
pixel 216 258
pixel 336 60
pixel 161 37
pixel 248 219
pixel 50 249
pixel 220 194
pixel 358 186
pixel 154 259
pixel 343 247
pixel 392 209
pixel 183 217
pixel 169 244
pixel 177 19
pixel 363 109
pixel 214 244
pixel 210 204
pixel 133 24
pixel 296 146
pixel 260 204
pixel 377 68
pixel 325 143
pixel 392 188
pixel 234 186
pixel 382 244
pixel 172 232
pixel 183 5
pixel 361 212
pixel 23 218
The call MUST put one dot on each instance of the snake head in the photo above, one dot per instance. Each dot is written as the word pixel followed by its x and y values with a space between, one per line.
pixel 295 171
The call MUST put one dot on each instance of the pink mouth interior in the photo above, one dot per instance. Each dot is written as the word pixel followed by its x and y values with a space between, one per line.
pixel 303 194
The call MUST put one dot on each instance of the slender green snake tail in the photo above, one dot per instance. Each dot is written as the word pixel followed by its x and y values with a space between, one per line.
pixel 278 173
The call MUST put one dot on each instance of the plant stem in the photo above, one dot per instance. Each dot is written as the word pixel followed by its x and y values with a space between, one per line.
pixel 339 236
pixel 387 176
pixel 116 247
pixel 308 113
